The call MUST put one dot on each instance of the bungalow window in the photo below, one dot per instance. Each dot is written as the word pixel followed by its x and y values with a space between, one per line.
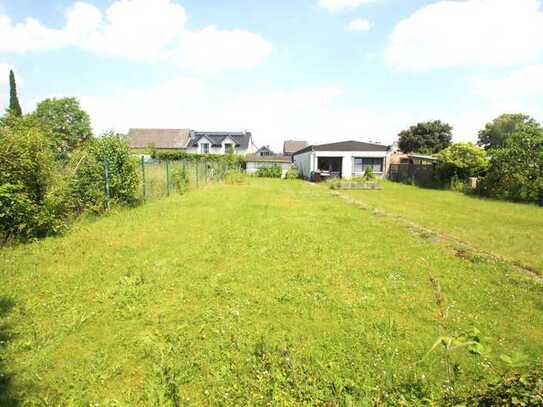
pixel 362 164
pixel 228 148
pixel 205 148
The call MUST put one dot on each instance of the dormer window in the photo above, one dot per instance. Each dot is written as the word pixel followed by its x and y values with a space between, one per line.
pixel 204 148
pixel 228 148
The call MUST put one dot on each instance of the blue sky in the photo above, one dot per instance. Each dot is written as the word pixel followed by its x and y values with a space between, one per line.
pixel 319 70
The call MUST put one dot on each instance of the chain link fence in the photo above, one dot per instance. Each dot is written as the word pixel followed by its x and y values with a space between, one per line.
pixel 162 178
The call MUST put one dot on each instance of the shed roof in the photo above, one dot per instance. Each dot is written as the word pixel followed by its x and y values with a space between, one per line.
pixel 350 145
pixel 423 157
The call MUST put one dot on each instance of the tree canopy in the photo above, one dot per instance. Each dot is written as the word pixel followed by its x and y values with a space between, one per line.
pixel 426 138
pixel 463 160
pixel 14 105
pixel 69 125
pixel 516 168
pixel 495 133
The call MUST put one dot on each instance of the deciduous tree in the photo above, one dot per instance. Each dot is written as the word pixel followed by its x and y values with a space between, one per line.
pixel 426 138
pixel 69 125
pixel 495 133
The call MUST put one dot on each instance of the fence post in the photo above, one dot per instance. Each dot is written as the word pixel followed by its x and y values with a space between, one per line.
pixel 143 177
pixel 197 175
pixel 106 173
pixel 167 177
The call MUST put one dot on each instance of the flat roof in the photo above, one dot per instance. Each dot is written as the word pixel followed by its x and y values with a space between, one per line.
pixel 350 145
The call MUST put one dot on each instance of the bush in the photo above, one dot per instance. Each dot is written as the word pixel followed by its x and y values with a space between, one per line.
pixel 461 161
pixel 235 177
pixel 270 172
pixel 293 172
pixel 513 390
pixel 29 202
pixel 180 179
pixel 87 185
pixel 233 160
pixel 516 170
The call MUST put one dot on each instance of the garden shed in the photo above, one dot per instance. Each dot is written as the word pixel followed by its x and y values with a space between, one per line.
pixel 344 159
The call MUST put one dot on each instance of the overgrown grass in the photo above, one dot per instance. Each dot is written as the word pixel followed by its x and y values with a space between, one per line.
pixel 509 230
pixel 269 292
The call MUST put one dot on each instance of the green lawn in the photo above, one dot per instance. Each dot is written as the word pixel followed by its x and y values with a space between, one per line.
pixel 509 230
pixel 273 292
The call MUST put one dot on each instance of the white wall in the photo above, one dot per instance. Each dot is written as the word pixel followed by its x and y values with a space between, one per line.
pixel 304 163
pixel 221 149
pixel 308 162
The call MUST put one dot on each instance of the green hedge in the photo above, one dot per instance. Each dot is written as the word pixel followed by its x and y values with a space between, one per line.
pixel 270 172
pixel 232 159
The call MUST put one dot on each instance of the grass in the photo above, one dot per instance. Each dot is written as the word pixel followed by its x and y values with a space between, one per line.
pixel 274 292
pixel 506 229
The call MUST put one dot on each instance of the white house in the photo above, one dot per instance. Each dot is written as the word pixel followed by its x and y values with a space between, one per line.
pixel 192 141
pixel 345 159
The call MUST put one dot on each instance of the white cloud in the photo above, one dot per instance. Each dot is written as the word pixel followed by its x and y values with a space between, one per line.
pixel 211 50
pixel 338 5
pixel 525 82
pixel 139 29
pixel 314 113
pixel 473 32
pixel 150 30
pixel 30 35
pixel 359 24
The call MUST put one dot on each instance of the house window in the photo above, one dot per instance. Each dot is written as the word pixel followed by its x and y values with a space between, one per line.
pixel 362 164
pixel 205 148
pixel 228 148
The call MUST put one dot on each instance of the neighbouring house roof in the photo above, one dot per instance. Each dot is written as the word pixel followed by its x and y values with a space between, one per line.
pixel 269 159
pixel 291 146
pixel 264 149
pixel 242 139
pixel 350 145
pixel 159 138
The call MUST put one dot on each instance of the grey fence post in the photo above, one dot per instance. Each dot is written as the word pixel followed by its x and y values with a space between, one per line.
pixel 106 173
pixel 143 177
pixel 167 178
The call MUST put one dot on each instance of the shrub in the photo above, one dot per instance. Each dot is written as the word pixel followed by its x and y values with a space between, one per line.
pixel 180 179
pixel 29 202
pixel 516 170
pixel 232 160
pixel 270 172
pixel 512 390
pixel 293 172
pixel 462 161
pixel 87 185
pixel 235 177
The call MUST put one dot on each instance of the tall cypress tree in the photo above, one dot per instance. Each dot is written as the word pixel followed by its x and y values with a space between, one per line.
pixel 14 105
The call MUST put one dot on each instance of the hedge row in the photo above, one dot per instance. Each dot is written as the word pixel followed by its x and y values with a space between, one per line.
pixel 234 160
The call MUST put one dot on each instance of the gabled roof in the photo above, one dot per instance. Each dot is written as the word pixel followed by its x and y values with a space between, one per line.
pixel 159 138
pixel 242 139
pixel 264 149
pixel 350 145
pixel 291 146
